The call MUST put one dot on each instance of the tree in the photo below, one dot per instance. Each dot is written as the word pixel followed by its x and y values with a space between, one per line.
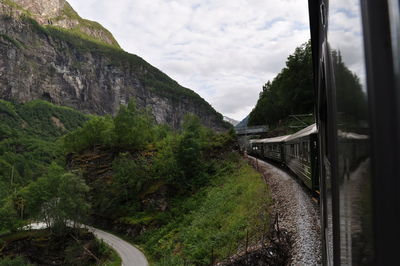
pixel 130 176
pixel 97 131
pixel 57 198
pixel 291 91
pixel 189 153
pixel 9 219
pixel 133 128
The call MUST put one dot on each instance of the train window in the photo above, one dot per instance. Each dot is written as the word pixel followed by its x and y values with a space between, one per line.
pixel 306 151
pixel 300 151
pixel 346 56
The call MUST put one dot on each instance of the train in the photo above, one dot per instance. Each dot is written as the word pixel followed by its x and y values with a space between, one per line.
pixel 298 152
pixel 351 156
pixel 356 64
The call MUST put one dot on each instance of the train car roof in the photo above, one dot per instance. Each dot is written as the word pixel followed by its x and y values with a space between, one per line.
pixel 255 140
pixel 312 129
pixel 273 140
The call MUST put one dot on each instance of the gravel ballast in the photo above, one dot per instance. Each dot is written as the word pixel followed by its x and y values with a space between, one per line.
pixel 298 213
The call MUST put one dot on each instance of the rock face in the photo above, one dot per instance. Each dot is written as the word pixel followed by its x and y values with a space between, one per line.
pixel 60 13
pixel 41 61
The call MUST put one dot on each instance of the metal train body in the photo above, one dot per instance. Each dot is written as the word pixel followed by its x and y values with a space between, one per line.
pixel 356 62
pixel 298 152
pixel 301 156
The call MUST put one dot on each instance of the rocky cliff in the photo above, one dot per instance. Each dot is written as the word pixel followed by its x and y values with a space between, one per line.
pixel 48 52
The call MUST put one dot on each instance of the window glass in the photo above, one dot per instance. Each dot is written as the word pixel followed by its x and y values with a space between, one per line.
pixel 345 38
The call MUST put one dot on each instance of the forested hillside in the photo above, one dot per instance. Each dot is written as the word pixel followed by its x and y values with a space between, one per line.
pixel 290 92
pixel 28 135
pixel 185 188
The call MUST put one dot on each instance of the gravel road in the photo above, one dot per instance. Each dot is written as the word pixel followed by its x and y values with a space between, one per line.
pixel 130 255
pixel 298 213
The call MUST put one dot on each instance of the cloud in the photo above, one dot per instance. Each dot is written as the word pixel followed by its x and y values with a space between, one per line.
pixel 225 50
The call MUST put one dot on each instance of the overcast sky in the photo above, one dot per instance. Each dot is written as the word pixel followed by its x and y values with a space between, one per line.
pixel 225 50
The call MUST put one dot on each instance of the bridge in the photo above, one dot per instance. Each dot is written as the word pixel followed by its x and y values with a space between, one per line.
pixel 256 130
pixel 246 133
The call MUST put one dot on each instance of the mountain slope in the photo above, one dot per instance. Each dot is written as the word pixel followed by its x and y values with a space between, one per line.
pixel 231 121
pixel 59 13
pixel 66 67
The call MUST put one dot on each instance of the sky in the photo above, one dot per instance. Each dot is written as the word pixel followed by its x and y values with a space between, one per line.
pixel 225 50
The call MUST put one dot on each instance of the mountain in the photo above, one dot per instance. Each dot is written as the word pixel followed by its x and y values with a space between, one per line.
pixel 60 14
pixel 48 52
pixel 243 123
pixel 231 121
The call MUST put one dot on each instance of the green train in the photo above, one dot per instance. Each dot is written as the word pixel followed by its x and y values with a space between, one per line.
pixel 298 152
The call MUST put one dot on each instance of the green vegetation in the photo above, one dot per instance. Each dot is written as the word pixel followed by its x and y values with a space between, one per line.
pixel 41 247
pixel 214 219
pixel 291 91
pixel 185 190
pixel 209 197
pixel 14 262
pixel 28 146
pixel 28 134
pixel 56 198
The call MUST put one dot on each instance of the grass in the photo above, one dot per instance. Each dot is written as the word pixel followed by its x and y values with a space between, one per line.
pixel 112 257
pixel 216 217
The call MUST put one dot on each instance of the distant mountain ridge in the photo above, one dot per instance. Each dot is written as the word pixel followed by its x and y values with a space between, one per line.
pixel 243 123
pixel 48 52
pixel 231 121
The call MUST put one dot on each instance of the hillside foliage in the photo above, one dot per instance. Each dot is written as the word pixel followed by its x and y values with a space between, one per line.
pixel 28 149
pixel 183 188
pixel 290 92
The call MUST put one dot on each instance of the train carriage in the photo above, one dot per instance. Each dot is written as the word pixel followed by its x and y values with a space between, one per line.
pixel 273 148
pixel 256 147
pixel 301 154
